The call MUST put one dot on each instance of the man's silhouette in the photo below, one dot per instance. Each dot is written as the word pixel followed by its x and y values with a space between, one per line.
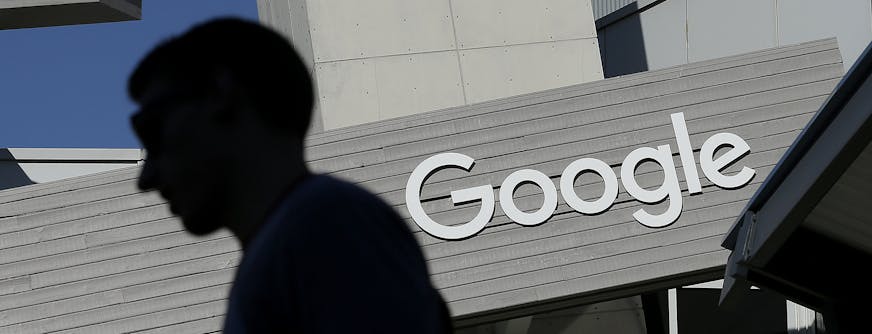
pixel 224 110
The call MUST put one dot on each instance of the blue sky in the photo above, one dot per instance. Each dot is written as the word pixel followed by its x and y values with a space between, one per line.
pixel 66 86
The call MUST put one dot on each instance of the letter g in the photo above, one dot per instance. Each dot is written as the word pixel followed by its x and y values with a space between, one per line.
pixel 413 198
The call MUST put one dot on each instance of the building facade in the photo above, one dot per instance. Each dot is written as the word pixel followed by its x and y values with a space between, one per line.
pixel 596 202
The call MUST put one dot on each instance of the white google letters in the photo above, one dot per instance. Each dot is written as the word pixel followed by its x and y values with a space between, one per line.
pixel 483 193
pixel 662 155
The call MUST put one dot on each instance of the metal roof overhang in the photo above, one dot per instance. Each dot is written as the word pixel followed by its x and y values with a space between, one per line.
pixel 15 14
pixel 808 227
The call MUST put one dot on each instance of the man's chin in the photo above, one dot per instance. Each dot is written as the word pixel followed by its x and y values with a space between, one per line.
pixel 200 227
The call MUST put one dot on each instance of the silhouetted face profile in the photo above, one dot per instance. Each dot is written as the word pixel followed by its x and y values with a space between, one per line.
pixel 214 104
pixel 183 142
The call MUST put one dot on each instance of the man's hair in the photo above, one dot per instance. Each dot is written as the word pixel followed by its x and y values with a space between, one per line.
pixel 260 62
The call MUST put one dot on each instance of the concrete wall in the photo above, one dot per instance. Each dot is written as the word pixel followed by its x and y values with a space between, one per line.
pixel 93 254
pixel 377 60
pixel 675 32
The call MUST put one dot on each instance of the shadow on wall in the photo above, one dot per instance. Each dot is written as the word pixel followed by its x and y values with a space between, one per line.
pixel 11 175
pixel 622 46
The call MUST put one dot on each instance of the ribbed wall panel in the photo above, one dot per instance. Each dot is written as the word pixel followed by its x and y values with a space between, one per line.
pixel 605 7
pixel 94 255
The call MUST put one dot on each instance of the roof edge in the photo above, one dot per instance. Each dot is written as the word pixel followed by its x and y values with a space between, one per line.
pixel 831 109
pixel 71 154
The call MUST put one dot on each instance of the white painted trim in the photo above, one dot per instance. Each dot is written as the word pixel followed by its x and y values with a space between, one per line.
pixel 672 304
pixel 67 154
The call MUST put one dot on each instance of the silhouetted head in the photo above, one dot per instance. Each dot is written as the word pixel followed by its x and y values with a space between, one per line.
pixel 211 101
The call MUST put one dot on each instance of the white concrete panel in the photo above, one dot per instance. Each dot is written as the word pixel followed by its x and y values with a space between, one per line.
pixel 275 14
pixel 664 36
pixel 291 18
pixel 482 23
pixel 342 30
pixel 347 93
pixel 591 62
pixel 416 83
pixel 718 28
pixel 848 20
pixel 359 91
pixel 491 73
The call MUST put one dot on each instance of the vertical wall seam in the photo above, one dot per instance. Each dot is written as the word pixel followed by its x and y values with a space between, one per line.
pixel 581 61
pixel 457 52
pixel 686 32
pixel 777 41
pixel 378 104
pixel 290 19
pixel 317 121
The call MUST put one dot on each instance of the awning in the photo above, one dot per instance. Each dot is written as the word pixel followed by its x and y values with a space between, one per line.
pixel 807 232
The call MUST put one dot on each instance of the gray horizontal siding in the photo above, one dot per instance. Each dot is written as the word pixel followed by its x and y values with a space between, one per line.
pixel 207 317
pixel 135 277
pixel 69 198
pixel 71 184
pixel 605 7
pixel 120 311
pixel 36 232
pixel 90 210
pixel 94 255
pixel 199 326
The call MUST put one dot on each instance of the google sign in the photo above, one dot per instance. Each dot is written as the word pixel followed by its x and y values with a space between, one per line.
pixel 711 166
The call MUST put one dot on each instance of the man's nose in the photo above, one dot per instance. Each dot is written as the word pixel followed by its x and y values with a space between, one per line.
pixel 148 177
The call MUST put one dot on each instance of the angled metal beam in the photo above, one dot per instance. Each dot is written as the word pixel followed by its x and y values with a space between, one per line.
pixel 17 14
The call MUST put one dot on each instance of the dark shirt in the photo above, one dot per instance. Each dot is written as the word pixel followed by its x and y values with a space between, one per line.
pixel 333 258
